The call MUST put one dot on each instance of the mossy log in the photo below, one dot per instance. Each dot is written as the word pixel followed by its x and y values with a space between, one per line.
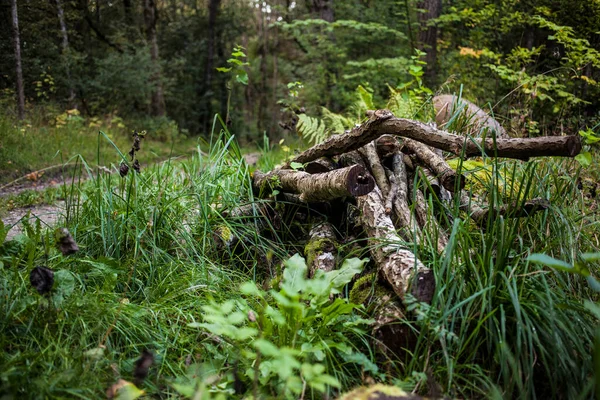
pixel 346 182
pixel 321 249
pixel 382 122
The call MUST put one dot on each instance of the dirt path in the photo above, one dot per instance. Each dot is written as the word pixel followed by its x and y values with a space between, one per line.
pixel 47 214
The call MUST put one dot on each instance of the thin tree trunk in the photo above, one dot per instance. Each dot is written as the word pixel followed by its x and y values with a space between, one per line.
pixel 428 36
pixel 18 67
pixel 65 48
pixel 324 9
pixel 157 103
pixel 127 9
pixel 262 102
pixel 213 13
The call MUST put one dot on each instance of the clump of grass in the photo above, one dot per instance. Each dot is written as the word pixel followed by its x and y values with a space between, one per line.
pixel 500 326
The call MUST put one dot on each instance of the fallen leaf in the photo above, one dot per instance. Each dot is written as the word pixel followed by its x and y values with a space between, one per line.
pixel 42 279
pixel 142 365
pixel 66 243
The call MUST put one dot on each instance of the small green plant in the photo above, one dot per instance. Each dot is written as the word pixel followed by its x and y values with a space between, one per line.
pixel 292 338
pixel 237 70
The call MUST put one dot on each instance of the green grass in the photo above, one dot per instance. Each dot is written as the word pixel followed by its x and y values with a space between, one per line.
pixel 42 144
pixel 152 269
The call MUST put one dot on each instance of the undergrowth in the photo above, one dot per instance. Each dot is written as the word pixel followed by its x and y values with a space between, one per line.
pixel 223 322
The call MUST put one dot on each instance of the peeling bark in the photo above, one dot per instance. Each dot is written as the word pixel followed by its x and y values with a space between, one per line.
pixel 387 146
pixel 345 182
pixel 405 221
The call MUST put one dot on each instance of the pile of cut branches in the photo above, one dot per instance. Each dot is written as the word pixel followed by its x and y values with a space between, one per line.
pixel 360 184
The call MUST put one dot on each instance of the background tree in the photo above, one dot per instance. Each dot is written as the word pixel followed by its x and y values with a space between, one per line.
pixel 18 67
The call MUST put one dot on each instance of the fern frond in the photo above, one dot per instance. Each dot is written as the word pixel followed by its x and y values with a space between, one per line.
pixel 313 130
pixel 336 123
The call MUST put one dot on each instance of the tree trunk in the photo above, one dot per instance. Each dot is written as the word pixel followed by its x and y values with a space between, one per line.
pixel 324 9
pixel 157 101
pixel 127 10
pixel 428 36
pixel 213 13
pixel 18 67
pixel 65 48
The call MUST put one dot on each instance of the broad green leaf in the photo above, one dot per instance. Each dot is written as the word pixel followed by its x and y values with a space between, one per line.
pixel 128 392
pixel 585 158
pixel 64 284
pixel 294 275
pixel 250 289
pixel 224 69
pixel 296 166
pixel 350 268
pixel 266 347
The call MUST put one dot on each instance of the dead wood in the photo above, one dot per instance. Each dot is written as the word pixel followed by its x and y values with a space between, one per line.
pixel 320 165
pixel 369 154
pixel 432 181
pixel 350 181
pixel 405 221
pixel 387 146
pixel 383 122
pixel 445 106
pixel 321 249
pixel 397 265
pixel 447 176
pixel 516 210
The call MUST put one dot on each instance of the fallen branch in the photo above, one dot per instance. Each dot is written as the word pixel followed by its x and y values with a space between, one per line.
pixel 480 215
pixel 345 182
pixel 447 176
pixel 383 122
pixel 369 154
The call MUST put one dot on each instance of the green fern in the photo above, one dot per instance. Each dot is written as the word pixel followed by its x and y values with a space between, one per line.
pixel 336 123
pixel 313 130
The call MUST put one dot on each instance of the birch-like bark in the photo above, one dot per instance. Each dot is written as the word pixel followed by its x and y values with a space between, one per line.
pixel 18 66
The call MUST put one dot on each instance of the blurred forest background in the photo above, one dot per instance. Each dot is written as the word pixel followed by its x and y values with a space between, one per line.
pixel 535 62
